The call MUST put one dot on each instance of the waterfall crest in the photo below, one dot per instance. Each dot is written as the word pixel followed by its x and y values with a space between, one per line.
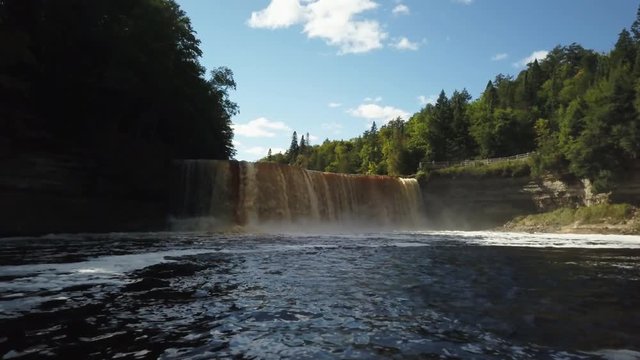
pixel 216 193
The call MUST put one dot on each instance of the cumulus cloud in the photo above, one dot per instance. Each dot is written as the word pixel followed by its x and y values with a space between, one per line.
pixel 400 9
pixel 279 14
pixel 424 100
pixel 377 112
pixel 373 99
pixel 334 105
pixel 536 55
pixel 405 44
pixel 260 127
pixel 330 20
pixel 500 56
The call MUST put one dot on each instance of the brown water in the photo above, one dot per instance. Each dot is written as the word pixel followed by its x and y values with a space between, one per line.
pixel 258 195
pixel 396 295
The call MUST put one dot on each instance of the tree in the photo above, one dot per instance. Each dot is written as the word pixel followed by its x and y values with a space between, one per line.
pixel 439 128
pixel 460 144
pixel 303 145
pixel 490 96
pixel 624 52
pixel 635 27
pixel 294 148
pixel 100 71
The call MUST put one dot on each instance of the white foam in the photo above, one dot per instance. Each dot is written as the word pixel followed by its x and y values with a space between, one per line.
pixel 489 238
pixel 617 354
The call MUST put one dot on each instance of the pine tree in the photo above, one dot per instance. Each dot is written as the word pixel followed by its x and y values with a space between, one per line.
pixel 635 27
pixel 624 52
pixel 303 145
pixel 490 96
pixel 294 148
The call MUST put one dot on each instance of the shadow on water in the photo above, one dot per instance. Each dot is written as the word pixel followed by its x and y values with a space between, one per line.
pixel 395 295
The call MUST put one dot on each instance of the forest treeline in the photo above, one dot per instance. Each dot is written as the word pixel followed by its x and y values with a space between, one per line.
pixel 117 82
pixel 83 72
pixel 577 109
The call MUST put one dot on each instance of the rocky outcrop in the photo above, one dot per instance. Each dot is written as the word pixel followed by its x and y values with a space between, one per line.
pixel 485 202
pixel 45 193
pixel 473 202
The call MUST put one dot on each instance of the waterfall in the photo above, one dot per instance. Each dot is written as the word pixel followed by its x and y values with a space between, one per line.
pixel 213 194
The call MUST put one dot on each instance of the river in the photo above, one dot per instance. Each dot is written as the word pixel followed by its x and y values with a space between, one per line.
pixel 421 295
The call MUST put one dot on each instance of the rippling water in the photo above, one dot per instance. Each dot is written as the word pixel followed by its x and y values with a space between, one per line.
pixel 396 295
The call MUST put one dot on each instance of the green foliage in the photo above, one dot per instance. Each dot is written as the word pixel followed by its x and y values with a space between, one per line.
pixel 422 177
pixel 577 109
pixel 98 74
pixel 513 168
pixel 590 215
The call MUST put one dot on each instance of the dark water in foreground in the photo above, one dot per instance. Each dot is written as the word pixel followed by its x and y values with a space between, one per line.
pixel 397 295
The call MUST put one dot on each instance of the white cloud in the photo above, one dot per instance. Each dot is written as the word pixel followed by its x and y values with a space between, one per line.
pixel 333 127
pixel 377 112
pixel 424 100
pixel 466 2
pixel 536 55
pixel 260 127
pixel 405 44
pixel 279 14
pixel 330 20
pixel 401 9
pixel 500 56
pixel 313 138
pixel 371 99
pixel 334 105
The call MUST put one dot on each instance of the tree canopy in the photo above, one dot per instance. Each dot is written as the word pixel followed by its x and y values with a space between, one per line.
pixel 577 109
pixel 87 73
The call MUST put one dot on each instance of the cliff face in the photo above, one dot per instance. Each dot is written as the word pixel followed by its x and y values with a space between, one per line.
pixel 45 193
pixel 470 203
pixel 477 203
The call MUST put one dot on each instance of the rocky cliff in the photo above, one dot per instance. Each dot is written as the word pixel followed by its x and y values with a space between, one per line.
pixel 474 202
pixel 45 193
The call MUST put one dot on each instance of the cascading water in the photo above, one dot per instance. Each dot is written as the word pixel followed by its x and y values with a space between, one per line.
pixel 214 194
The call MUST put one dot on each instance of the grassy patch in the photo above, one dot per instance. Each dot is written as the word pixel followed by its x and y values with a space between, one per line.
pixel 598 214
pixel 513 168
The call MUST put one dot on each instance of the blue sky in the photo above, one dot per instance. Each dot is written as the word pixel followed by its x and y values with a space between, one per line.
pixel 331 67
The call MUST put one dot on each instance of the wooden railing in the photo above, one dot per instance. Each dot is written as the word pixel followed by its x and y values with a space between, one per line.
pixel 445 164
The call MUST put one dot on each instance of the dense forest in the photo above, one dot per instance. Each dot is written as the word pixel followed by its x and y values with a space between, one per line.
pixel 117 82
pixel 577 109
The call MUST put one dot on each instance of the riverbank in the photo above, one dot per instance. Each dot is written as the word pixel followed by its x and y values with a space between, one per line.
pixel 598 219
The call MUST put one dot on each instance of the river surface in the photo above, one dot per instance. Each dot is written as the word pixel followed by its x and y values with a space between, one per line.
pixel 426 295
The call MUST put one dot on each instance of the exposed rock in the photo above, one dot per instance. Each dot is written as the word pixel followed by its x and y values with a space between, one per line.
pixel 469 202
pixel 51 193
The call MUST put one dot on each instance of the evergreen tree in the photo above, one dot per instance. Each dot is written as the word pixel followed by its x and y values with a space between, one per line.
pixel 294 148
pixel 303 145
pixel 635 27
pixel 490 96
pixel 624 52
pixel 439 128
pixel 461 144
